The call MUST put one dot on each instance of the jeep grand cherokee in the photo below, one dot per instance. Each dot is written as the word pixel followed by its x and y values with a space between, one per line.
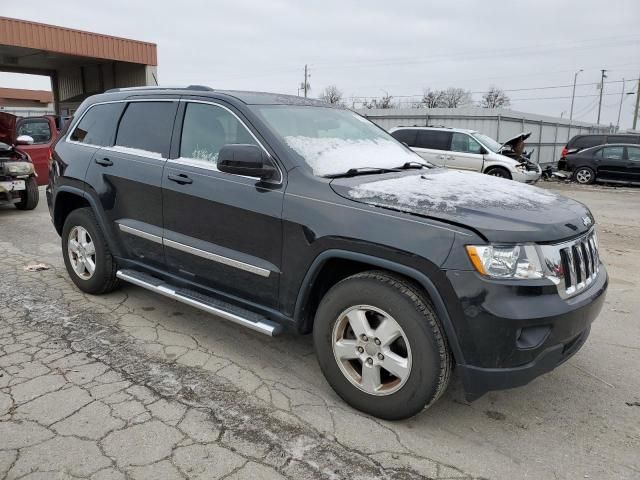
pixel 269 211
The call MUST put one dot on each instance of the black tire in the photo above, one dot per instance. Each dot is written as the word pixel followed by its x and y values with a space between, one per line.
pixel 30 196
pixel 431 361
pixel 499 172
pixel 584 175
pixel 104 278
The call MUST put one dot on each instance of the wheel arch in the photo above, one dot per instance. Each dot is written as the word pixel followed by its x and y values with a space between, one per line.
pixel 69 198
pixel 312 288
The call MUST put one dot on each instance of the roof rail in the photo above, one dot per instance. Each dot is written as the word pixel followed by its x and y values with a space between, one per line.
pixel 200 88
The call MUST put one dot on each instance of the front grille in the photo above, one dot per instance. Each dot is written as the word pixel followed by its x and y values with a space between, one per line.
pixel 575 264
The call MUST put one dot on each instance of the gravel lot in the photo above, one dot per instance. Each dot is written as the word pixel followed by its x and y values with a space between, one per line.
pixel 133 385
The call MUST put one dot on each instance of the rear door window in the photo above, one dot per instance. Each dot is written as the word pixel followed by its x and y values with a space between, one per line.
pixel 612 153
pixel 37 128
pixel 98 126
pixel 587 141
pixel 406 135
pixel 433 139
pixel 145 128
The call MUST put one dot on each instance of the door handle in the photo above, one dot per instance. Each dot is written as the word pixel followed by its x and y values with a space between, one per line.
pixel 181 178
pixel 105 162
pixel 441 157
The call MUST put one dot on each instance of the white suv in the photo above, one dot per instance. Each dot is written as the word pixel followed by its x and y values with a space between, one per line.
pixel 467 150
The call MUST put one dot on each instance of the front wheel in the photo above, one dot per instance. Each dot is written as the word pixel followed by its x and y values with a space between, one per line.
pixel 499 172
pixel 381 346
pixel 584 176
pixel 30 196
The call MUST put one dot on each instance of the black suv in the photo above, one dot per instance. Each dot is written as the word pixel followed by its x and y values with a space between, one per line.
pixel 580 142
pixel 270 210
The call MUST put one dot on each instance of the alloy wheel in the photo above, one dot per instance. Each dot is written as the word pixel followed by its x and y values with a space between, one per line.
pixel 583 176
pixel 371 349
pixel 82 252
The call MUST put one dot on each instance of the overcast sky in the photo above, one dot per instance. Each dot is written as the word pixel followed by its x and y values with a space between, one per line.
pixel 370 47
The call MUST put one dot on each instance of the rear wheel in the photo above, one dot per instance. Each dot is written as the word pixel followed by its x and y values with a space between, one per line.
pixel 498 172
pixel 30 196
pixel 584 175
pixel 381 346
pixel 86 253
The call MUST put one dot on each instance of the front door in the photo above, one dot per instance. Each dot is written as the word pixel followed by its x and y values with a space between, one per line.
pixel 222 231
pixel 466 153
pixel 612 165
pixel 43 132
pixel 127 175
pixel 633 164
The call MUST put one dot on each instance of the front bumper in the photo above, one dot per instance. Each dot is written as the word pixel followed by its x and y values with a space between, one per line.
pixel 526 176
pixel 511 333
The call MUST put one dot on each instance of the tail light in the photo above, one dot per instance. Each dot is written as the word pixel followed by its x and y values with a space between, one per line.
pixel 565 152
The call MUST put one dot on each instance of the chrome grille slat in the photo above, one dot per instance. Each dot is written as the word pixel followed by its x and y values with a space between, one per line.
pixel 572 265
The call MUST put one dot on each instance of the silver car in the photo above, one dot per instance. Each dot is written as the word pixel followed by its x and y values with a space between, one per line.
pixel 470 150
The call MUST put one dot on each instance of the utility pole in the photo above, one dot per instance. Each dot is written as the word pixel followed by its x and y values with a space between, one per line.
pixel 635 115
pixel 306 81
pixel 620 107
pixel 573 97
pixel 601 90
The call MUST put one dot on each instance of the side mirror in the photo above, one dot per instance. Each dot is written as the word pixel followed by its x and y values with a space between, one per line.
pixel 247 160
pixel 24 140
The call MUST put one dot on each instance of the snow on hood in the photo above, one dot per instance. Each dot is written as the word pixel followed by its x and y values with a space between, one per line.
pixel 330 156
pixel 449 190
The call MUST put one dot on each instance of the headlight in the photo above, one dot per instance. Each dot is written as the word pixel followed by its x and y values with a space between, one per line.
pixel 506 261
pixel 521 166
pixel 19 168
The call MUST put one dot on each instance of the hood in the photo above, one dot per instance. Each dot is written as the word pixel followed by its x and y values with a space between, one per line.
pixel 512 141
pixel 501 210
pixel 7 128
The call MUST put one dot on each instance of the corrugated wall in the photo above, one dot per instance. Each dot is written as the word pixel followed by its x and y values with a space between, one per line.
pixel 548 134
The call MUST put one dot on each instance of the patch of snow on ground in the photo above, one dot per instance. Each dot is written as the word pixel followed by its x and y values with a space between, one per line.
pixel 329 156
pixel 449 190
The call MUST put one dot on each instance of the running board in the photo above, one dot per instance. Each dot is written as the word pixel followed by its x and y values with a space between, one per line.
pixel 222 309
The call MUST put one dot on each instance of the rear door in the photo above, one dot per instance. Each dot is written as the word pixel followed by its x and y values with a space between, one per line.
pixel 222 231
pixel 466 153
pixel 43 133
pixel 127 176
pixel 613 166
pixel 433 146
pixel 633 164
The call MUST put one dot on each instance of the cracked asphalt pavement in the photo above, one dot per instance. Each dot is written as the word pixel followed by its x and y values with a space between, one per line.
pixel 133 385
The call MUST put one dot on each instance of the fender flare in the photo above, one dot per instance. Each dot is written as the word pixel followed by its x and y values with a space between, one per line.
pixel 97 210
pixel 419 277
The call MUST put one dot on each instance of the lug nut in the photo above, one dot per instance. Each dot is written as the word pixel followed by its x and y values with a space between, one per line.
pixel 364 338
pixel 369 361
pixel 377 341
pixel 360 350
pixel 380 356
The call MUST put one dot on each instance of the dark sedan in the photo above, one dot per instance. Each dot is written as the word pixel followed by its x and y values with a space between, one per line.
pixel 618 163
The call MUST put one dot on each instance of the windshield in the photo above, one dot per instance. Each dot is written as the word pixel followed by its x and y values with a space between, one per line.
pixel 332 141
pixel 488 142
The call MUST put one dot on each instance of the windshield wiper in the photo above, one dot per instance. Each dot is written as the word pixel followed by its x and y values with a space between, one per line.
pixel 353 172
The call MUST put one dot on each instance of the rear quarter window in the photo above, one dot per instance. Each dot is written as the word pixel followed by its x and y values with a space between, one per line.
pixel 406 135
pixel 97 127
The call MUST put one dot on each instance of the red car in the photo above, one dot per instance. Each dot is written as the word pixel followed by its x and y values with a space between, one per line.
pixel 43 131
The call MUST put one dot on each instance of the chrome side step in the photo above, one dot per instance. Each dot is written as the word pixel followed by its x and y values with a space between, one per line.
pixel 225 310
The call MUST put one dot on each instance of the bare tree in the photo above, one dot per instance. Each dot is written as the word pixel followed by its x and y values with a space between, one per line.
pixel 455 97
pixel 495 98
pixel 331 94
pixel 432 98
pixel 382 102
